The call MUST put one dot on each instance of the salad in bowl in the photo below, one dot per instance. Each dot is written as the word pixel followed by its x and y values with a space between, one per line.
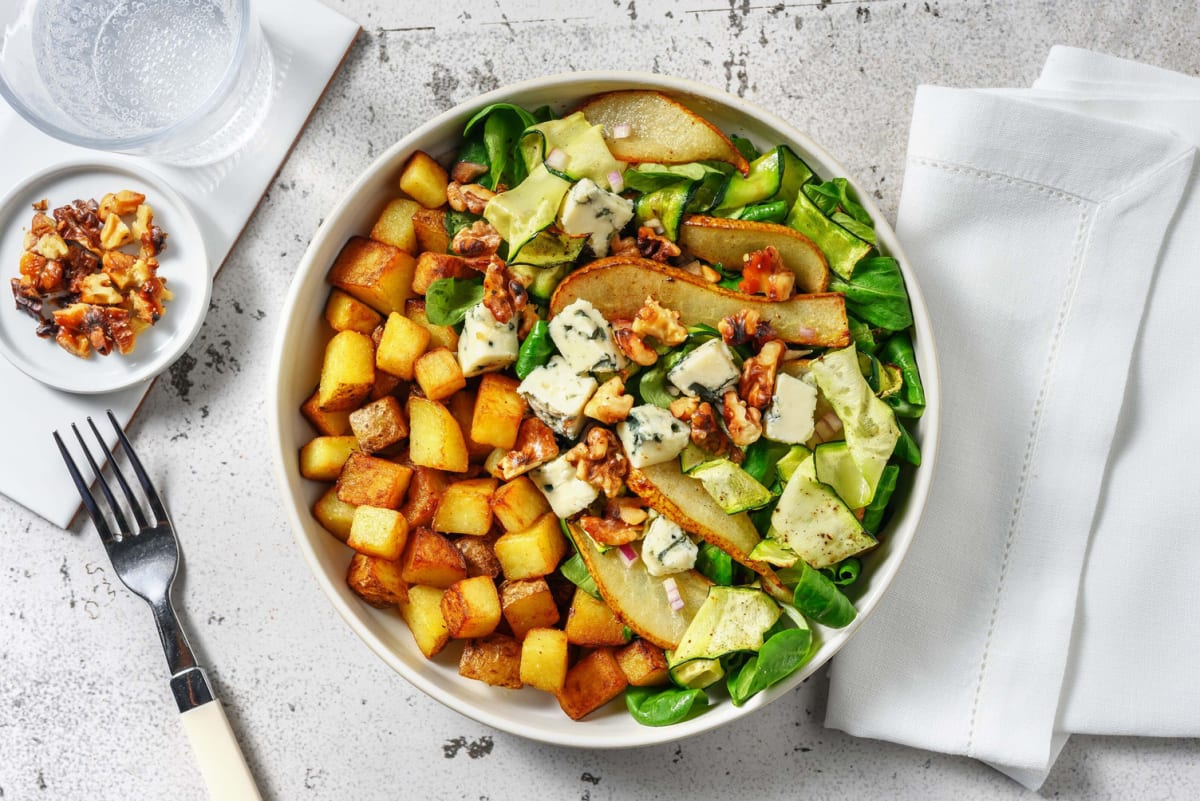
pixel 616 398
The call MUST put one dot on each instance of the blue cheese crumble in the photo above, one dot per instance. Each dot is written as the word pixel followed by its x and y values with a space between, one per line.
pixel 588 209
pixel 557 396
pixel 667 549
pixel 650 435
pixel 585 339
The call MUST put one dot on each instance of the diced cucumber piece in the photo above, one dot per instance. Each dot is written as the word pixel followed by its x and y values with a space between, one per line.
pixel 835 467
pixel 842 249
pixel 774 552
pixel 814 522
pixel 730 619
pixel 695 674
pixel 731 487
pixel 791 460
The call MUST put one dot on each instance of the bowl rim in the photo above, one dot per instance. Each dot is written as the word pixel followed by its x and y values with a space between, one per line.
pixel 883 574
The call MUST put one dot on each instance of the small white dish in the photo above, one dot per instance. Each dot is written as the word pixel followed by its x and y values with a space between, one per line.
pixel 183 263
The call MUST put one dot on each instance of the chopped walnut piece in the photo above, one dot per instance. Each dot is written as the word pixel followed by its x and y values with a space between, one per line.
pixel 610 404
pixel 757 383
pixel 79 222
pixel 682 408
pixel 631 344
pixel 628 508
pixel 623 246
pixel 119 267
pixel 745 326
pixel 763 272
pixel 652 320
pixel 464 172
pixel 468 197
pixel 503 295
pixel 97 288
pixel 479 240
pixel 103 327
pixel 115 233
pixel 534 447
pixel 600 461
pixel 743 423
pixel 655 246
pixel 51 246
pixel 142 221
pixel 707 434
pixel 121 203
pixel 41 226
pixel 610 531
pixel 701 269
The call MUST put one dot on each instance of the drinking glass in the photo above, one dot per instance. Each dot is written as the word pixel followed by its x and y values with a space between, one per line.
pixel 182 81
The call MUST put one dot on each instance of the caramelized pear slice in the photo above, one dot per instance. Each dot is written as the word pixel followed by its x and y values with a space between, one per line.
pixel 660 130
pixel 717 239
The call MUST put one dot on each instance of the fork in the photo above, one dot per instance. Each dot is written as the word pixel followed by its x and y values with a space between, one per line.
pixel 146 561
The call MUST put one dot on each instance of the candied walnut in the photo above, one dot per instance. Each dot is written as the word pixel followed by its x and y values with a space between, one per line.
pixel 743 422
pixel 121 203
pixel 534 447
pixel 153 242
pixel 610 404
pixel 623 246
pixel 479 240
pixel 468 197
pixel 757 383
pixel 629 508
pixel 41 205
pixel 652 320
pixel 631 344
pixel 30 303
pixel 103 327
pixel 464 172
pixel 97 288
pixel 600 461
pixel 764 272
pixel 610 531
pixel 79 222
pixel 119 267
pixel 50 246
pixel 73 342
pixel 745 326
pixel 142 221
pixel 148 300
pixel 115 233
pixel 653 245
pixel 503 294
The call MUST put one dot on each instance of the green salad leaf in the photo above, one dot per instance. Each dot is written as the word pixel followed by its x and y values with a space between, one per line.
pixel 845 572
pixel 876 293
pixel 715 564
pixel 652 706
pixel 448 299
pixel 536 350
pixel 818 598
pixel 781 655
pixel 873 516
pixel 906 447
pixel 898 350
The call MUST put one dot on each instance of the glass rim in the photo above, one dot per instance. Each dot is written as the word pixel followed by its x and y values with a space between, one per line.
pixel 210 103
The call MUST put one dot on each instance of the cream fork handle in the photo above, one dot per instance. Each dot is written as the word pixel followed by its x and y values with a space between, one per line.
pixel 221 761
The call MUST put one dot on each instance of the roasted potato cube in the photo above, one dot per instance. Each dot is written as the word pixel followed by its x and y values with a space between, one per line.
pixel 331 424
pixel 544 656
pixel 527 604
pixel 435 439
pixel 480 556
pixel 423 614
pixel 536 445
pixel 438 373
pixel 466 507
pixel 431 559
pixel 403 341
pixel 395 225
pixel 322 458
pixel 533 551
pixel 376 273
pixel 334 514
pixel 424 490
pixel 518 503
pixel 462 406
pixel 371 481
pixel 347 313
pixel 379 425
pixel 387 384
pixel 498 411
pixel 591 683
pixel 495 660
pixel 429 226
pixel 348 372
pixel 591 622
pixel 434 266
pixel 378 532
pixel 440 336
pixel 643 663
pixel 424 180
pixel 471 608
pixel 377 581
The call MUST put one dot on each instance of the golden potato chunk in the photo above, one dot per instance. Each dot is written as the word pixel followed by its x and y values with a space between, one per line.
pixel 423 614
pixel 471 608
pixel 377 581
pixel 403 341
pixel 643 663
pixel 591 622
pixel 424 180
pixel 345 312
pixel 429 226
pixel 498 411
pixel 334 514
pixel 591 683
pixel 462 406
pixel 544 657
pixel 480 555
pixel 466 507
pixel 435 438
pixel 440 336
pixel 527 604
pixel 322 458
pixel 331 424
pixel 348 372
pixel 376 273
pixel 439 374
pixel 533 551
pixel 435 265
pixel 432 560
pixel 379 425
pixel 495 660
pixel 518 503
pixel 371 481
pixel 378 532
pixel 395 225
pixel 424 490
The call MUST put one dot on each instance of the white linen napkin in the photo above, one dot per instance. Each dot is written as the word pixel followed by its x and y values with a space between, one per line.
pixel 1045 589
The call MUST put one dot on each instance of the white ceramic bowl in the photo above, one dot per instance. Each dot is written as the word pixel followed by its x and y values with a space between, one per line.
pixel 296 365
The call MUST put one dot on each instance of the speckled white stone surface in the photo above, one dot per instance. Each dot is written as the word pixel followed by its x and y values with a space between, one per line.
pixel 84 708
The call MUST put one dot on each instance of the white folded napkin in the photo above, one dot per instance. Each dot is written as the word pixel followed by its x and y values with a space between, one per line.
pixel 1047 590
